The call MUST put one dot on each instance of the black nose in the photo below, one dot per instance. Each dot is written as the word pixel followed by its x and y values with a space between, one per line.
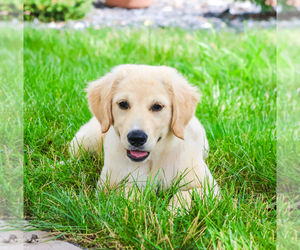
pixel 137 138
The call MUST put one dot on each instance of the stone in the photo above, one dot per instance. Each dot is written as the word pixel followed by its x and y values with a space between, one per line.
pixel 52 25
pixel 16 239
pixel 79 26
pixel 239 8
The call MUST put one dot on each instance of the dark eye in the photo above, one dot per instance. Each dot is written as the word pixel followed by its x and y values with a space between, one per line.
pixel 156 107
pixel 123 105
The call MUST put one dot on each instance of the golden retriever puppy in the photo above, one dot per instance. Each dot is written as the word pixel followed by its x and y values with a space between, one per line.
pixel 145 115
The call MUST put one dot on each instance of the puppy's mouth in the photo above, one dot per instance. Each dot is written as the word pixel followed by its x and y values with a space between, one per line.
pixel 137 156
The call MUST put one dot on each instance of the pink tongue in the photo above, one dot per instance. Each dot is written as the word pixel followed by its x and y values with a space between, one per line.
pixel 138 154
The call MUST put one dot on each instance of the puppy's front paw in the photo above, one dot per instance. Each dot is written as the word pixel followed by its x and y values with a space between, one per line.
pixel 180 201
pixel 176 209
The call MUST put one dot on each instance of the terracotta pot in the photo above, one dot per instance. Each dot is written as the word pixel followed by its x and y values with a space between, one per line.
pixel 129 4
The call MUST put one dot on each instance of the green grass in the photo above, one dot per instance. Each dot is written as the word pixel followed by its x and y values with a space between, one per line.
pixel 11 125
pixel 288 142
pixel 236 76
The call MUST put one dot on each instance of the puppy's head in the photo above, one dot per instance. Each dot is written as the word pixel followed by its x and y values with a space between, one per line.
pixel 144 104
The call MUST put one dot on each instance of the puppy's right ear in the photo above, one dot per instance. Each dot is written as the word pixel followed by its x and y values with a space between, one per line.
pixel 99 94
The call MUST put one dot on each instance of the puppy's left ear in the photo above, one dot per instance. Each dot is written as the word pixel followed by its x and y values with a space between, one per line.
pixel 185 100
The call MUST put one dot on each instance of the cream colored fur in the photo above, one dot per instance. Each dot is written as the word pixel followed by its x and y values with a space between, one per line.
pixel 183 145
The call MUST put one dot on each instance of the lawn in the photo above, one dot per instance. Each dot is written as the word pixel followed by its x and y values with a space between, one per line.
pixel 288 139
pixel 236 76
pixel 11 125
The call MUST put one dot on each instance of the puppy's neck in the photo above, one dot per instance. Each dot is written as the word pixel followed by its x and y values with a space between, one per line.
pixel 166 144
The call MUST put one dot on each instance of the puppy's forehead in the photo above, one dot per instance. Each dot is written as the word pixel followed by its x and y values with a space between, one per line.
pixel 141 85
pixel 141 80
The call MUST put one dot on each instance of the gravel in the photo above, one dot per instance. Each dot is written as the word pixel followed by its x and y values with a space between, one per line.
pixel 186 14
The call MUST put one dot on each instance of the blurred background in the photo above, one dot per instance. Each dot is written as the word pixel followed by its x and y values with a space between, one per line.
pixel 190 14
